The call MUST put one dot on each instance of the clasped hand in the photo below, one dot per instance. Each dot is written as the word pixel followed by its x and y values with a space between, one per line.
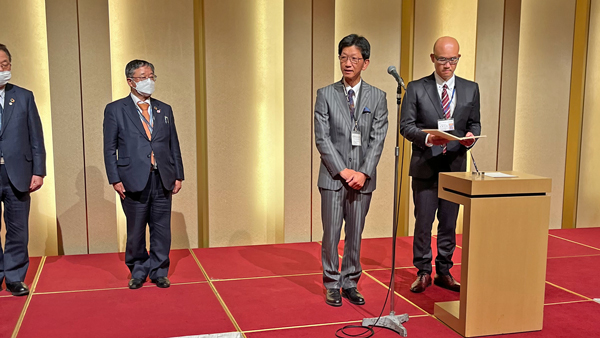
pixel 355 179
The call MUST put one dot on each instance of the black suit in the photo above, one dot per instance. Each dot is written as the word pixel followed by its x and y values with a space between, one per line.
pixel 127 157
pixel 422 109
pixel 22 147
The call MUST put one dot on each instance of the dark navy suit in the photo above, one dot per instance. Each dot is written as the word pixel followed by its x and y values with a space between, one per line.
pixel 127 152
pixel 22 147
pixel 421 109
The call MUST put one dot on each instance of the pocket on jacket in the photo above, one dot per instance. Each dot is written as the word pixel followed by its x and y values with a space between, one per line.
pixel 123 161
pixel 28 157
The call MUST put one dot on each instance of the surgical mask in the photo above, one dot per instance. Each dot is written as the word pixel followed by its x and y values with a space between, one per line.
pixel 4 77
pixel 145 87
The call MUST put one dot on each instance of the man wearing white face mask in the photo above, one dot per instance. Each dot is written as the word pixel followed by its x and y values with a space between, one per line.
pixel 22 171
pixel 143 163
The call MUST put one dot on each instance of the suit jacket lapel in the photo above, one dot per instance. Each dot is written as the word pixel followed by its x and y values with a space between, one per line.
pixel 158 118
pixel 363 97
pixel 430 88
pixel 461 98
pixel 8 106
pixel 131 111
pixel 342 102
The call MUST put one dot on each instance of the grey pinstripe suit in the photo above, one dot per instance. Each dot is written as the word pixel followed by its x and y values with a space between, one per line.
pixel 339 202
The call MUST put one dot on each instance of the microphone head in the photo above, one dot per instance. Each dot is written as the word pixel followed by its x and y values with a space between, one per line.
pixel 391 70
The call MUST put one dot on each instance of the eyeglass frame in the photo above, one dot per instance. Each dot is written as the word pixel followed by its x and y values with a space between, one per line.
pixel 443 60
pixel 5 66
pixel 340 57
pixel 144 78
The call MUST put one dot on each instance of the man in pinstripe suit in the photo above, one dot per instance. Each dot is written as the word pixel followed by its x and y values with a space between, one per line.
pixel 351 121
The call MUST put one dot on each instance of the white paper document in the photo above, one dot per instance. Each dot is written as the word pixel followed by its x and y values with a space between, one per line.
pixel 448 136
pixel 496 174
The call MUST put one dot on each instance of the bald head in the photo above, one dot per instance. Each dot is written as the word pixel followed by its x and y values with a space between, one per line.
pixel 445 43
pixel 445 56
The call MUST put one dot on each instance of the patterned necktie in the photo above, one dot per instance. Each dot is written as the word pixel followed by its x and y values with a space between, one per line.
pixel 147 124
pixel 1 113
pixel 446 102
pixel 351 102
pixel 446 108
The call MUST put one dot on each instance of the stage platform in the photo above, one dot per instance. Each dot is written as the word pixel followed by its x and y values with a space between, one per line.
pixel 269 291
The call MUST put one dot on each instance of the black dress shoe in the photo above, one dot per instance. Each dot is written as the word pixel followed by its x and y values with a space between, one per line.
pixel 353 296
pixel 135 283
pixel 162 282
pixel 17 288
pixel 333 297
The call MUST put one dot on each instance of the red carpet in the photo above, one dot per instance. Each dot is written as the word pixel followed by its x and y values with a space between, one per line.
pixel 587 236
pixel 275 291
pixel 149 312
pixel 260 260
pixel 299 300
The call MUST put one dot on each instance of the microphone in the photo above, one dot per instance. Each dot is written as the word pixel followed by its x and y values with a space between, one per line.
pixel 393 72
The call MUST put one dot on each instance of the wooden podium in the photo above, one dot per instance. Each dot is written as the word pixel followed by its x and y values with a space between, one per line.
pixel 504 248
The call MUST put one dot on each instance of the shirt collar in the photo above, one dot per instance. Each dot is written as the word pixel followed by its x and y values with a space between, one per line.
pixel 136 100
pixel 440 82
pixel 355 88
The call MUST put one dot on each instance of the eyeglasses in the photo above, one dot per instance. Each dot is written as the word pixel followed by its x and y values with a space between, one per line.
pixel 143 78
pixel 4 65
pixel 344 59
pixel 443 61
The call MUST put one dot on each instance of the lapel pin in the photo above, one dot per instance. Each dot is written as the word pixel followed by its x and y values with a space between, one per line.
pixel 11 102
pixel 166 119
pixel 157 110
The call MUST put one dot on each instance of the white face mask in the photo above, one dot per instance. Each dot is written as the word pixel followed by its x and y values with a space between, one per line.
pixel 145 87
pixel 4 77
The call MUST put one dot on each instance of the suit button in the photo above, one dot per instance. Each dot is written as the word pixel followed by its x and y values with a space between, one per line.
pixel 350 159
pixel 148 155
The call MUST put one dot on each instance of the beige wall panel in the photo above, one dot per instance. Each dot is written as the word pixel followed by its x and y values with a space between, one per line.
pixel 488 72
pixel 96 92
pixel 298 119
pixel 162 34
pixel 27 42
pixel 508 90
pixel 244 76
pixel 324 49
pixel 63 57
pixel 434 19
pixel 542 109
pixel 588 213
pixel 384 36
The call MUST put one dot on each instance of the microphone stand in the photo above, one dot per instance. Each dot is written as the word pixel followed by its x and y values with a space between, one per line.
pixel 392 321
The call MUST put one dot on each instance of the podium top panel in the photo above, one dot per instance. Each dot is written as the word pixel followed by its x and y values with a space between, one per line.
pixel 476 185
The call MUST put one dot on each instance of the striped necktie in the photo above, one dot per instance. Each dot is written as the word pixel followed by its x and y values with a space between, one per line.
pixel 446 102
pixel 446 108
